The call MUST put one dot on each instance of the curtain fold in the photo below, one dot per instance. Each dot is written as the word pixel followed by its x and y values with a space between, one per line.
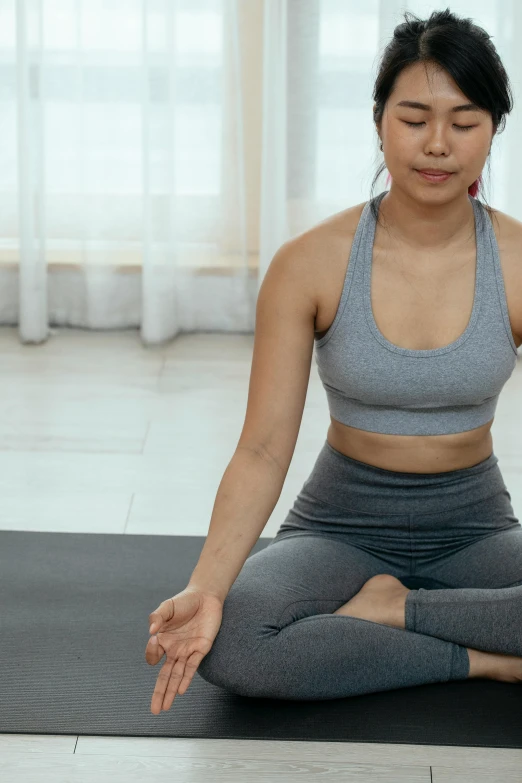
pixel 32 278
pixel 274 228
pixel 155 154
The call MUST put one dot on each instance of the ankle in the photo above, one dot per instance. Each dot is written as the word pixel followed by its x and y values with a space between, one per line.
pixel 479 663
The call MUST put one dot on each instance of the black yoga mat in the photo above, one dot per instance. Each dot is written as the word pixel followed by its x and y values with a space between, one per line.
pixel 73 630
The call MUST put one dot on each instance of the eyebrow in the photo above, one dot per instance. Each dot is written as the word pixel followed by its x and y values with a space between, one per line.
pixel 425 107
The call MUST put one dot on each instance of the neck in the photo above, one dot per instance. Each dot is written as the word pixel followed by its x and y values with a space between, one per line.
pixel 427 226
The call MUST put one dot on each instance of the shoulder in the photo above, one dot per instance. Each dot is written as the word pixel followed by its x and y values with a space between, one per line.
pixel 336 226
pixel 508 232
pixel 333 229
pixel 322 251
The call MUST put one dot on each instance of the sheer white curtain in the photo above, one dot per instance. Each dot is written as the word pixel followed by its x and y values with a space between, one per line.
pixel 154 154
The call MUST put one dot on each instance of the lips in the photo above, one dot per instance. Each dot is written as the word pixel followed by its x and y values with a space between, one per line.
pixel 439 176
pixel 439 172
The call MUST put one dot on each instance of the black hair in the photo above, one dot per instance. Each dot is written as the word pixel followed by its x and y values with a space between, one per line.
pixel 465 51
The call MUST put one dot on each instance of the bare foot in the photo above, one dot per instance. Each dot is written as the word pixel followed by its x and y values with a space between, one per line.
pixel 495 666
pixel 381 599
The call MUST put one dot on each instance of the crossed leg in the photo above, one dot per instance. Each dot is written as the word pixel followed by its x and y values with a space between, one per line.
pixel 279 636
pixel 476 599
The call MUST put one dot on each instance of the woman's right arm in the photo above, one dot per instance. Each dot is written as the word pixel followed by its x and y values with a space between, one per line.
pixel 280 372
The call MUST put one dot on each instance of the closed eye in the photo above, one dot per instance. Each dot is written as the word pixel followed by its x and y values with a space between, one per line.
pixel 460 127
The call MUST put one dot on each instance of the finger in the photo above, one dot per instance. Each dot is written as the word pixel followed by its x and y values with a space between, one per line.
pixel 161 687
pixel 172 687
pixel 154 652
pixel 162 614
pixel 190 669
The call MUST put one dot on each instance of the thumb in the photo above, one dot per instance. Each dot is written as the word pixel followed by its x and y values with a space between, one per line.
pixel 162 614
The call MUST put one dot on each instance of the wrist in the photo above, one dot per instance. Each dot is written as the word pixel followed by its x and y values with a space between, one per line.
pixel 219 594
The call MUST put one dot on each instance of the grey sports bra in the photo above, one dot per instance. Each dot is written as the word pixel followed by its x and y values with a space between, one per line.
pixel 377 386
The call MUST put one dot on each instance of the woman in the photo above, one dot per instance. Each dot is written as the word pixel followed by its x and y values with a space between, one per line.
pixel 400 562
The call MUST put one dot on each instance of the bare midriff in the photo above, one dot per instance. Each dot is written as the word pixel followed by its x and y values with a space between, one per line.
pixel 413 453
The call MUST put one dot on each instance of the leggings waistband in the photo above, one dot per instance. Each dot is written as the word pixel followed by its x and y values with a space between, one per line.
pixel 359 486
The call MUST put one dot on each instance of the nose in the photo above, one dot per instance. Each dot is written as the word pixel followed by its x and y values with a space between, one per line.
pixel 437 143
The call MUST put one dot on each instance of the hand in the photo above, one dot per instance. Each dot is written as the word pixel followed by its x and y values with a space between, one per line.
pixel 186 627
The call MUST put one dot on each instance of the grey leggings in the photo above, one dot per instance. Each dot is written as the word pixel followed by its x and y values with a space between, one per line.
pixel 451 537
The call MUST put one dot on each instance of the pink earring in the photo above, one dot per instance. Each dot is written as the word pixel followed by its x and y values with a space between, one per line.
pixel 475 187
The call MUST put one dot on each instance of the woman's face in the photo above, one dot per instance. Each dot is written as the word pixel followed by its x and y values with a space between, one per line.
pixel 436 140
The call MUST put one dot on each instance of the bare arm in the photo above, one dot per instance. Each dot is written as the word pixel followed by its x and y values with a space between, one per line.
pixel 280 372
